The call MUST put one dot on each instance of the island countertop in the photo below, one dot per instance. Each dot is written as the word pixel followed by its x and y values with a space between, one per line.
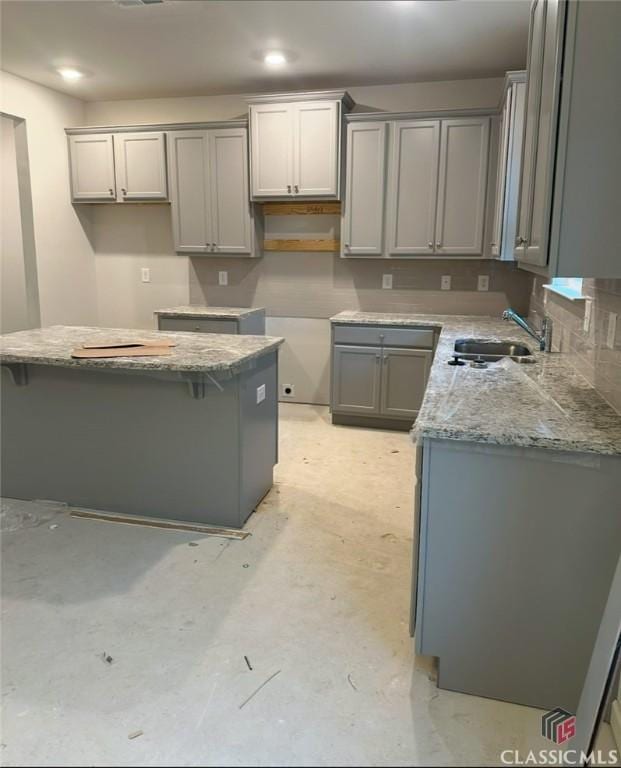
pixel 545 404
pixel 217 313
pixel 192 353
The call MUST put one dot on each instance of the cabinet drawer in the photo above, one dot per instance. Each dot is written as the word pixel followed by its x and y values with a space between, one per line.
pixel 388 336
pixel 199 325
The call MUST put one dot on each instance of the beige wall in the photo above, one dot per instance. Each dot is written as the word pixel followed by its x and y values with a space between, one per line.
pixel 587 352
pixel 65 259
pixel 451 94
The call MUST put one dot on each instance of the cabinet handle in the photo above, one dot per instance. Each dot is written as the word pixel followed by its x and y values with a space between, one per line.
pixel 197 328
pixel 385 358
pixel 493 245
pixel 111 191
pixel 382 336
pixel 438 244
pixel 289 188
pixel 296 188
pixel 124 191
pixel 377 358
pixel 347 246
pixel 430 244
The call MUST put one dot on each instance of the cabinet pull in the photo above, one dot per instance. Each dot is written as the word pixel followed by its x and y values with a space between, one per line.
pixel 111 191
pixel 289 188
pixel 124 191
pixel 296 188
pixel 347 246
pixel 377 358
pixel 430 244
pixel 438 244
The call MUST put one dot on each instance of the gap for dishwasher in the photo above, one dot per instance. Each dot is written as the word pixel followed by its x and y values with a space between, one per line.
pixel 172 525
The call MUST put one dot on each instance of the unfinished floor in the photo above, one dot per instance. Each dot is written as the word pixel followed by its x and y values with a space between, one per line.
pixel 317 599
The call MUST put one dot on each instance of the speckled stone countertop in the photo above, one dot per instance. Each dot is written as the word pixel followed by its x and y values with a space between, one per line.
pixel 218 313
pixel 193 353
pixel 545 404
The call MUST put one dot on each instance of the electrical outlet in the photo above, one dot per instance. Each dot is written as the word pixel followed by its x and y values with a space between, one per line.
pixel 612 330
pixel 260 394
pixel 145 275
pixel 483 283
pixel 445 282
pixel 386 281
pixel 287 390
pixel 223 277
pixel 588 309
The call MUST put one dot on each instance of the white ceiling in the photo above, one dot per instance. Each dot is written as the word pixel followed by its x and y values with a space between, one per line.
pixel 191 47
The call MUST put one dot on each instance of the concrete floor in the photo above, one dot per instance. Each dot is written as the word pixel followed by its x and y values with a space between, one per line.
pixel 319 594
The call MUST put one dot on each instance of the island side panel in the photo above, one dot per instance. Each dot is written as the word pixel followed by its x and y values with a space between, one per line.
pixel 253 324
pixel 519 548
pixel 123 443
pixel 258 421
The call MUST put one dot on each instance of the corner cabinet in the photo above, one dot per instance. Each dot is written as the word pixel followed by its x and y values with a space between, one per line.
pixel 211 212
pixel 571 158
pixel 508 169
pixel 295 145
pixel 431 192
pixel 118 167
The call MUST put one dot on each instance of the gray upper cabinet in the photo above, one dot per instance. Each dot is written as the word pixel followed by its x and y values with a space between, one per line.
pixel 404 378
pixel 538 153
pixel 295 146
pixel 508 170
pixel 118 167
pixel 356 379
pixel 571 157
pixel 209 192
pixel 190 191
pixel 91 159
pixel 413 186
pixel 362 228
pixel 230 207
pixel 140 161
pixel 462 186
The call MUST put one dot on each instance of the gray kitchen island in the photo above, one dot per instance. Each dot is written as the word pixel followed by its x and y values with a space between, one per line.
pixel 188 436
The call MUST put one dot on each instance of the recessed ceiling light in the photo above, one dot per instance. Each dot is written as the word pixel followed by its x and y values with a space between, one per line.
pixel 275 59
pixel 70 73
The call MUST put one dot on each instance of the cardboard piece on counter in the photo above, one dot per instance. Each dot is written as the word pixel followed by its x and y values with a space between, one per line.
pixel 118 343
pixel 147 351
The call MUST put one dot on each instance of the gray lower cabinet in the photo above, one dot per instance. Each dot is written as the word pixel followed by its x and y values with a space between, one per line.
pixel 515 551
pixel 375 384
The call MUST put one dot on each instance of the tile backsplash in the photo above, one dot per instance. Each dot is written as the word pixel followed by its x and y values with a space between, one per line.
pixel 588 350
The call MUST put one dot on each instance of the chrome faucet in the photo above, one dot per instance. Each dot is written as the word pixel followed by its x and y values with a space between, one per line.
pixel 544 339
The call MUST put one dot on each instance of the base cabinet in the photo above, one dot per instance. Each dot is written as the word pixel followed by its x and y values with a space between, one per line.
pixel 253 324
pixel 511 585
pixel 376 384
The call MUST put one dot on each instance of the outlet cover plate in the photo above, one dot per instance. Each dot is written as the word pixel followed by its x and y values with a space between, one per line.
pixel 387 281
pixel 445 282
pixel 287 390
pixel 260 394
pixel 611 335
pixel 223 277
pixel 588 309
pixel 145 275
pixel 483 283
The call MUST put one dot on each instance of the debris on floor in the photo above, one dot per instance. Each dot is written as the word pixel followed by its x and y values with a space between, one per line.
pixel 16 514
pixel 192 544
pixel 263 684
pixel 351 682
pixel 248 663
pixel 106 658
pixel 134 734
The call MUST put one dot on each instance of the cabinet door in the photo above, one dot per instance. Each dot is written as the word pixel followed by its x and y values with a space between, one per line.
pixel 404 378
pixel 462 186
pixel 413 187
pixel 540 200
pixel 271 150
pixel 536 43
pixel 356 379
pixel 362 229
pixel 190 193
pixel 501 177
pixel 230 207
pixel 140 166
pixel 316 148
pixel 92 167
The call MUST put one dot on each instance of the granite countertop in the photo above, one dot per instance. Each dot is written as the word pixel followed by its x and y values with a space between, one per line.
pixel 546 404
pixel 193 353
pixel 198 311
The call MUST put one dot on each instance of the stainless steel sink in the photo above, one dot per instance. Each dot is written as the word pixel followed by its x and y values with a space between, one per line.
pixel 491 351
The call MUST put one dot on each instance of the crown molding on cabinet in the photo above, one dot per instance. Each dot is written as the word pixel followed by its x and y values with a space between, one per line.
pixel 278 98
pixel 241 122
pixel 438 114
